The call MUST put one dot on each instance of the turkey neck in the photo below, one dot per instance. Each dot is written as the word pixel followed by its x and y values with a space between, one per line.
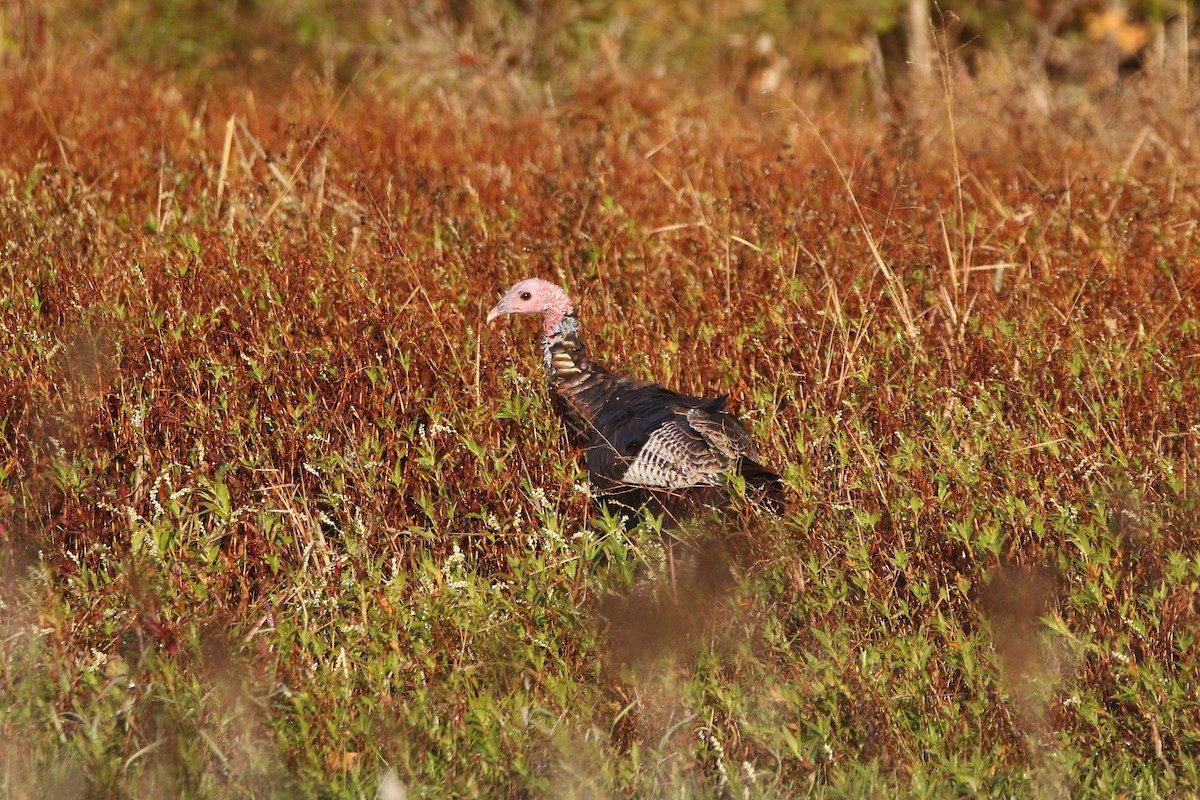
pixel 580 383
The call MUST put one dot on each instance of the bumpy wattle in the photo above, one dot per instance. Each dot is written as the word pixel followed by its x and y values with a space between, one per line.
pixel 560 311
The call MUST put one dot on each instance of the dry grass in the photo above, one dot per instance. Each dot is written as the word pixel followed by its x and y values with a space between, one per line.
pixel 279 512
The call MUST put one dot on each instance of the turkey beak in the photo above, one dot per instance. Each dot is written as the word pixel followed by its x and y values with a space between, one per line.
pixel 498 311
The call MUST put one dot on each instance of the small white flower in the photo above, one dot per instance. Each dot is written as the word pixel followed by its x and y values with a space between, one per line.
pixel 452 570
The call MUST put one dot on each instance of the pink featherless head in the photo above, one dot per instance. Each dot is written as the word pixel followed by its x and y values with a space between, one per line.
pixel 535 296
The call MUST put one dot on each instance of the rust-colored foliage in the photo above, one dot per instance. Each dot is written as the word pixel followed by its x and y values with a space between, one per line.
pixel 278 360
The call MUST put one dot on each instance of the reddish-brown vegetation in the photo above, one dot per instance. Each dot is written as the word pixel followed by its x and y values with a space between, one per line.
pixel 234 383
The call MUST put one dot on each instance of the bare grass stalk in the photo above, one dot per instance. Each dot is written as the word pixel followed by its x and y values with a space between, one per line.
pixel 226 150
pixel 894 288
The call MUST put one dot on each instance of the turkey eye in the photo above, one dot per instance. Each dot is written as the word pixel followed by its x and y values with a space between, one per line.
pixel 526 295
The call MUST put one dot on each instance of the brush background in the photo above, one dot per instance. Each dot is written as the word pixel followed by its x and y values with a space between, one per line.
pixel 278 513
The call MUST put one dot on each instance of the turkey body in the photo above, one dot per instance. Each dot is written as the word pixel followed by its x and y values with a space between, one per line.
pixel 649 446
pixel 646 446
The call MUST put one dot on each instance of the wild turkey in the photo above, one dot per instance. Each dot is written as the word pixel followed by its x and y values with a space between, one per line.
pixel 647 446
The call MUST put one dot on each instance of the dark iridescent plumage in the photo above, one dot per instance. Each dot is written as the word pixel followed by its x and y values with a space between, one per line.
pixel 646 445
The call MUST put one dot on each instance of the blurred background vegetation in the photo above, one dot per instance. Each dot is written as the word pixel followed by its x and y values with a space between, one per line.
pixel 250 535
pixel 861 50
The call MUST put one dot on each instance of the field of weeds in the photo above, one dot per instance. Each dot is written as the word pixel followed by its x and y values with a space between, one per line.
pixel 280 516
